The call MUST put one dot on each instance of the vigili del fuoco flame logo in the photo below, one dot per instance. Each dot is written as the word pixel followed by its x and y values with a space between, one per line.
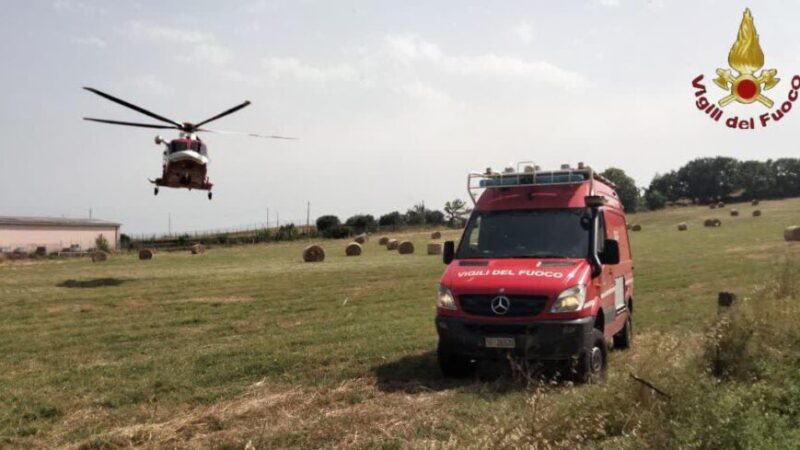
pixel 745 84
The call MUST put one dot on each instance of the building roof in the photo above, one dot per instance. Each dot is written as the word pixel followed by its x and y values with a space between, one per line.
pixel 55 222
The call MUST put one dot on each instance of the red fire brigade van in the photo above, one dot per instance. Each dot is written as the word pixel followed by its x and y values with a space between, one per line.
pixel 543 271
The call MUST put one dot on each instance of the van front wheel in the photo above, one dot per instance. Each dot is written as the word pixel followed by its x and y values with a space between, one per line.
pixel 590 367
pixel 454 365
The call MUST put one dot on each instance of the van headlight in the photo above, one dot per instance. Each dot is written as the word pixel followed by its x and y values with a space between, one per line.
pixel 570 300
pixel 444 298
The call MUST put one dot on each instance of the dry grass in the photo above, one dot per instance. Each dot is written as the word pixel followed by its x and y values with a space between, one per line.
pixel 252 345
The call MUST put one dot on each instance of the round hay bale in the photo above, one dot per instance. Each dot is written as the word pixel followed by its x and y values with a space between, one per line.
pixel 353 249
pixel 734 212
pixel 682 226
pixel 434 248
pixel 712 223
pixel 636 227
pixel 721 205
pixel 361 238
pixel 755 202
pixel 757 213
pixel 436 235
pixel 392 244
pixel 198 249
pixel 99 256
pixel 146 254
pixel 792 233
pixel 406 248
pixel 2 258
pixel 713 206
pixel 383 240
pixel 313 253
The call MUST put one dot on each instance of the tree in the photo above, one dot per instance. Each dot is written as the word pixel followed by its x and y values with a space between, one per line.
pixel 709 179
pixel 668 185
pixel 393 219
pixel 416 215
pixel 124 241
pixel 361 223
pixel 456 212
pixel 434 217
pixel 325 223
pixel 654 199
pixel 626 188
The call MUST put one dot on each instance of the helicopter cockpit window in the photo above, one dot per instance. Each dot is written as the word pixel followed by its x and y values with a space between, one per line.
pixel 178 146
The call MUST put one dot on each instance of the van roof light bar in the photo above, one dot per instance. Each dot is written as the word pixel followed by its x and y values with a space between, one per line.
pixel 527 174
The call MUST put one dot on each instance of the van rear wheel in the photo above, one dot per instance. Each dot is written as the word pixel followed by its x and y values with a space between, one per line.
pixel 590 367
pixel 452 364
pixel 624 339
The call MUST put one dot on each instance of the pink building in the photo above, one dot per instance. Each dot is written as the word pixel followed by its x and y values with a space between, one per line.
pixel 55 233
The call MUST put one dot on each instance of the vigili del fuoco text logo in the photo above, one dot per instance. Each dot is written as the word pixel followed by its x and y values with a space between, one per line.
pixel 743 83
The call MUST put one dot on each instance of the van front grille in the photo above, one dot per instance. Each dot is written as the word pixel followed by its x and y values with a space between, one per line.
pixel 520 305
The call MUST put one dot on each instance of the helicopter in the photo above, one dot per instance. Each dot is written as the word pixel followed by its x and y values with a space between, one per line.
pixel 185 158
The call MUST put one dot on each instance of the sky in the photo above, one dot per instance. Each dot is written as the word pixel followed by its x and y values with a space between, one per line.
pixel 393 102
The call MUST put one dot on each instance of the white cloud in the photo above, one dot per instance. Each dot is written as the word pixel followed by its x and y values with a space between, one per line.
pixel 92 41
pixel 159 33
pixel 408 49
pixel 294 68
pixel 78 6
pixel 211 53
pixel 504 66
pixel 425 92
pixel 608 3
pixel 145 85
pixel 524 31
pixel 205 49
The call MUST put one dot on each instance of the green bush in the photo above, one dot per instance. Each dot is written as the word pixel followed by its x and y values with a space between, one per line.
pixel 101 243
pixel 287 232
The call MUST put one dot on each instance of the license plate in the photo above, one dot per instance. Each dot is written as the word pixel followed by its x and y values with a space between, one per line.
pixel 500 342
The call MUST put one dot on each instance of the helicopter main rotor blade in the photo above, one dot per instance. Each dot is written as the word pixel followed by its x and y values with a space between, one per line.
pixel 131 124
pixel 133 107
pixel 243 133
pixel 222 114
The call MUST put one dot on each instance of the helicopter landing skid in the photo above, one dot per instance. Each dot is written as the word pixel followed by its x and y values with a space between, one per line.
pixel 203 187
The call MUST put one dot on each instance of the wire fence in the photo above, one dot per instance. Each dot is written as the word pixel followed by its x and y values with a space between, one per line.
pixel 211 232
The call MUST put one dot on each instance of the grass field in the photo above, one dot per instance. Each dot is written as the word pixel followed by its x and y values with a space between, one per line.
pixel 250 344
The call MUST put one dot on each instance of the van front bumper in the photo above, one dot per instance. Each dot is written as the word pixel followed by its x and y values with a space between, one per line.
pixel 543 340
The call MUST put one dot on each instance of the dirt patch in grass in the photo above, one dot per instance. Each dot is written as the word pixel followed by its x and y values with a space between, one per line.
pixel 73 308
pixel 93 283
pixel 226 299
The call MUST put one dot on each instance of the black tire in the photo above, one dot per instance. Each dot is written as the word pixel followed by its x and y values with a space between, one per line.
pixel 210 195
pixel 155 191
pixel 454 365
pixel 591 364
pixel 624 339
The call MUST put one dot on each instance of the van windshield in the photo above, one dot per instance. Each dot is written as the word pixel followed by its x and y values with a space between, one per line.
pixel 541 233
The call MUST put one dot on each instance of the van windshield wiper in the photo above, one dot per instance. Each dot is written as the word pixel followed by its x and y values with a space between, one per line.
pixel 539 255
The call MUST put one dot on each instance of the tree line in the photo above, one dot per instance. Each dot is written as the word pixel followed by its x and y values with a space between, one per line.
pixel 453 214
pixel 707 180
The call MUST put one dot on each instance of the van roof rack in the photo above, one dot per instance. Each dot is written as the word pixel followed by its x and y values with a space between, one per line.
pixel 529 174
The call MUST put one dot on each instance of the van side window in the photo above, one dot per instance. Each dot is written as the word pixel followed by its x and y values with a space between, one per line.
pixel 600 239
pixel 474 237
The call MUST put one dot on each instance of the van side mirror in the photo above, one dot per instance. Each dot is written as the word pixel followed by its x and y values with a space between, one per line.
pixel 448 252
pixel 610 253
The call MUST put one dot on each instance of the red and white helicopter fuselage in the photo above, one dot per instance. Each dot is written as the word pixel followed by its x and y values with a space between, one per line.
pixel 185 163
